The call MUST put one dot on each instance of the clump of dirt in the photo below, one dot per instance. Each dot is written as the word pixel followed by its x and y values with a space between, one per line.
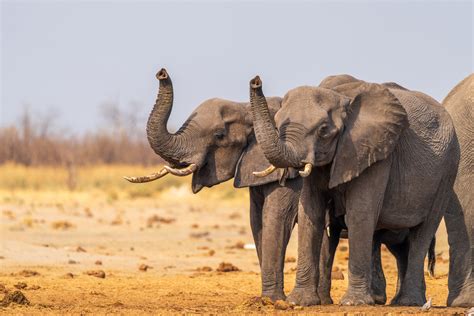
pixel 226 267
pixel 70 261
pixel 281 305
pixel 16 297
pixel 80 249
pixel 28 273
pixel 199 235
pixel 68 275
pixel 337 275
pixel 290 259
pixel 156 219
pixel 21 285
pixel 63 225
pixel 96 273
pixel 204 269
pixel 3 289
pixel 98 262
pixel 144 267
pixel 237 245
pixel 258 303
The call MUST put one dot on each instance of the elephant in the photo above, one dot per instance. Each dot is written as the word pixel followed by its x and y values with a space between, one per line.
pixel 386 156
pixel 396 242
pixel 460 104
pixel 215 144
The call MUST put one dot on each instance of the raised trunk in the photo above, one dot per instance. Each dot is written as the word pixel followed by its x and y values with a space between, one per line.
pixel 277 152
pixel 168 146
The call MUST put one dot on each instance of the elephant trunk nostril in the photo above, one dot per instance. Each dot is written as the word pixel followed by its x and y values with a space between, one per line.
pixel 162 74
pixel 256 82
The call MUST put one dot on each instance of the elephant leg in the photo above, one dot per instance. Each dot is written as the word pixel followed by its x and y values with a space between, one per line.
pixel 364 200
pixel 256 206
pixel 461 255
pixel 311 214
pixel 413 288
pixel 378 284
pixel 279 216
pixel 328 251
pixel 400 251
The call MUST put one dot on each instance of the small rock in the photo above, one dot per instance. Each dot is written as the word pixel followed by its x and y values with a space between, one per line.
pixel 34 287
pixel 96 273
pixel 281 305
pixel 3 289
pixel 199 235
pixel 290 259
pixel 72 261
pixel 343 248
pixel 68 275
pixel 211 253
pixel 226 267
pixel 98 262
pixel 337 275
pixel 16 297
pixel 21 285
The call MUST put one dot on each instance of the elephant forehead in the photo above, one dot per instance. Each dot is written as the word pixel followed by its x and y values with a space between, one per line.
pixel 307 97
pixel 306 114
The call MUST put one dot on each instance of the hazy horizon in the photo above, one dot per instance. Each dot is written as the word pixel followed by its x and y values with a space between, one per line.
pixel 71 57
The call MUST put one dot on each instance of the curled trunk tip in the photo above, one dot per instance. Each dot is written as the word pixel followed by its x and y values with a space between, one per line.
pixel 256 83
pixel 162 74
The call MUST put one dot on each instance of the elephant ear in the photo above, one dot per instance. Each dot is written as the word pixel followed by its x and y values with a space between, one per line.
pixel 374 121
pixel 253 159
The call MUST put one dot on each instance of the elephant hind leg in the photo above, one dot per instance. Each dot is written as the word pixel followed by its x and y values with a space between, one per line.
pixel 378 283
pixel 413 288
pixel 400 251
pixel 328 251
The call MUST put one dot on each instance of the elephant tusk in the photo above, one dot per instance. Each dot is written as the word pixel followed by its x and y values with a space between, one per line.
pixel 265 172
pixel 307 170
pixel 182 172
pixel 152 177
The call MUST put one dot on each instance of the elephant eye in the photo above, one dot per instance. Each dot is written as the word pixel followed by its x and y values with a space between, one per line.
pixel 219 135
pixel 323 130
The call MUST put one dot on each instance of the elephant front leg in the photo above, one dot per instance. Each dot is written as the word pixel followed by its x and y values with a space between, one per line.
pixel 310 232
pixel 279 216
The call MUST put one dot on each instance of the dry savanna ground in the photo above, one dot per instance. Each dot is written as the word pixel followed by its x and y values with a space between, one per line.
pixel 109 246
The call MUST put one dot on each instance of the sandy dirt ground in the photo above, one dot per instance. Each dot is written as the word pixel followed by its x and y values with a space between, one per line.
pixel 88 253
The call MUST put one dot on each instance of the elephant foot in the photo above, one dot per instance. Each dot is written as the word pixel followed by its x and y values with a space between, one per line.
pixel 379 299
pixel 464 299
pixel 410 299
pixel 274 295
pixel 353 298
pixel 326 299
pixel 304 297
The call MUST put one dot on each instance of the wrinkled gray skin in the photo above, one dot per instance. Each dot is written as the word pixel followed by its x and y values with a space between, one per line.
pixel 387 157
pixel 460 104
pixel 218 137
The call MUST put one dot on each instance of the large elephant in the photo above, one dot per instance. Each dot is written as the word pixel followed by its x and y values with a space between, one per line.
pixel 386 156
pixel 460 104
pixel 217 143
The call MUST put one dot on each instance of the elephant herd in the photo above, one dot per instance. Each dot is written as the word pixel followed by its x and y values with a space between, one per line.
pixel 377 162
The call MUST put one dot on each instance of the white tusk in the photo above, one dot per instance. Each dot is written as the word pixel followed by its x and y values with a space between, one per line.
pixel 152 177
pixel 307 170
pixel 265 172
pixel 182 172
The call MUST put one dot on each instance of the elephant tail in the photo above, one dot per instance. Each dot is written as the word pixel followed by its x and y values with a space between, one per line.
pixel 432 257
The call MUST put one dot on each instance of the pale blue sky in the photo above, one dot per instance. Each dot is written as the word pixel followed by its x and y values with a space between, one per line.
pixel 75 55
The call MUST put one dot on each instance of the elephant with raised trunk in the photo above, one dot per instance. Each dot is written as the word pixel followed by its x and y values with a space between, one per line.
pixel 217 143
pixel 460 104
pixel 385 155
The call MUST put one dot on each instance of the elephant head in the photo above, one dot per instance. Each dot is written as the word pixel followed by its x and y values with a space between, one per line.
pixel 215 143
pixel 346 123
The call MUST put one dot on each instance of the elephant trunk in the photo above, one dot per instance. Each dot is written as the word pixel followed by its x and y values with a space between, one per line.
pixel 169 146
pixel 276 151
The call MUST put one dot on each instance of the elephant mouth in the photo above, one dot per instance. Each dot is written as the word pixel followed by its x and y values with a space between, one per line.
pixel 179 172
